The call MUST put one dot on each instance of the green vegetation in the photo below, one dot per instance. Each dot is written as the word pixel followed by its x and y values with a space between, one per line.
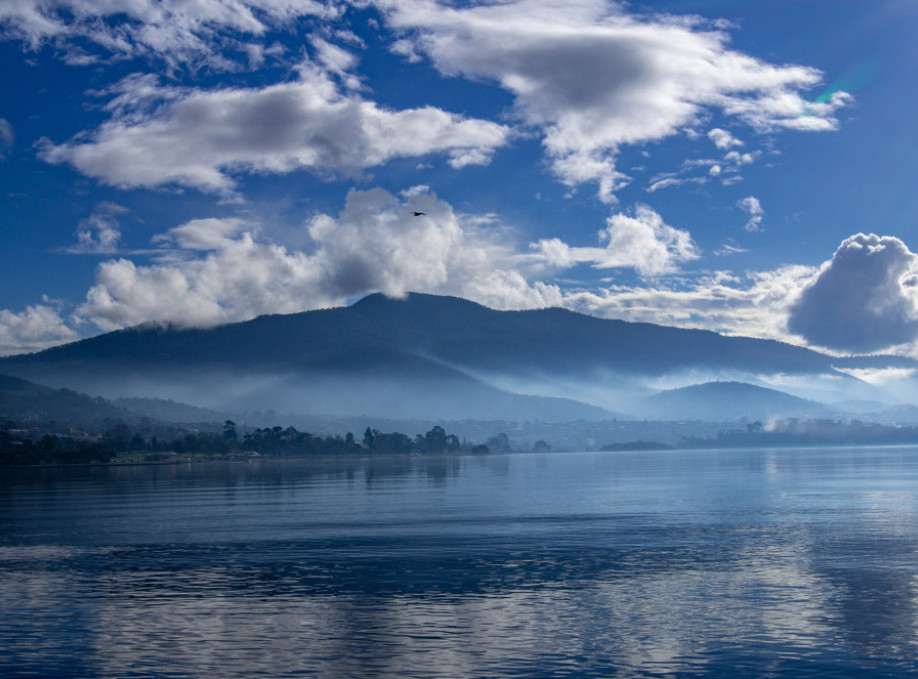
pixel 50 450
pixel 120 444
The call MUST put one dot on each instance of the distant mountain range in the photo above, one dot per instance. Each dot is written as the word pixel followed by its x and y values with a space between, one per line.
pixel 24 403
pixel 436 357
pixel 726 401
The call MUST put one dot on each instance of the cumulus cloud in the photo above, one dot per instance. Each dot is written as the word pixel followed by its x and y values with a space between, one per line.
pixel 375 244
pixel 210 271
pixel 372 246
pixel 160 135
pixel 38 327
pixel 644 241
pixel 177 31
pixel 753 207
pixel 234 283
pixel 753 304
pixel 206 234
pixel 214 271
pixel 723 139
pixel 242 279
pixel 593 78
pixel 864 299
pixel 99 233
pixel 640 240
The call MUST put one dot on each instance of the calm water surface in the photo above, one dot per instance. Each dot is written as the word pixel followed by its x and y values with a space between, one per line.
pixel 790 563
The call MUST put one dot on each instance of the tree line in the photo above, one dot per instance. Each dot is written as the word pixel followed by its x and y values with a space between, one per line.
pixel 121 443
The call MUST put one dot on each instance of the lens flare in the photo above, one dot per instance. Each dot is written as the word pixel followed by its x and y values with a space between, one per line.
pixel 853 79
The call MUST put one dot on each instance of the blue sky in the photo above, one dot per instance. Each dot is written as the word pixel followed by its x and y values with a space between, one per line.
pixel 745 167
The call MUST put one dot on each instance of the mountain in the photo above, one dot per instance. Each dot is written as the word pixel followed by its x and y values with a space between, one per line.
pixel 25 402
pixel 725 401
pixel 167 410
pixel 422 356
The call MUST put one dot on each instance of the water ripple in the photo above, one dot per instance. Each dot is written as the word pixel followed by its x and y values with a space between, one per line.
pixel 700 565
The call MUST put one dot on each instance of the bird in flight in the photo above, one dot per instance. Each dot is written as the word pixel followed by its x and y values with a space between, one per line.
pixel 418 214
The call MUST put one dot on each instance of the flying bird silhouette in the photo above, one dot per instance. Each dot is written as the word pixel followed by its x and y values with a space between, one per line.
pixel 418 214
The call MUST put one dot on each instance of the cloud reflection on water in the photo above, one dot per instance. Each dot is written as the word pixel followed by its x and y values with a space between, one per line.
pixel 781 563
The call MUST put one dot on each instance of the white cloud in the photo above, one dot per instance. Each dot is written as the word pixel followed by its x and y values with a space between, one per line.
pixel 99 233
pixel 864 299
pixel 405 49
pixel 672 180
pixel 726 171
pixel 212 271
pixel 337 61
pixel 177 31
pixel 224 274
pixel 38 327
pixel 240 279
pixel 737 159
pixel 165 135
pixel 643 241
pixel 729 249
pixel 723 139
pixel 593 78
pixel 376 244
pixel 752 304
pixel 753 207
pixel 234 283
pixel 881 377
pixel 206 234
pixel 640 240
pixel 664 182
pixel 786 109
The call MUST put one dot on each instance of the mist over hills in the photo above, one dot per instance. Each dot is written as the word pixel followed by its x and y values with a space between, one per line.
pixel 25 403
pixel 724 401
pixel 429 357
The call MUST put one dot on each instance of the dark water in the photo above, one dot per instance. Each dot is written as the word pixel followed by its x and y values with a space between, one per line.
pixel 796 563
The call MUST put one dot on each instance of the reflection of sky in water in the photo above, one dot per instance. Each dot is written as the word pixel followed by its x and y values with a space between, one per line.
pixel 757 563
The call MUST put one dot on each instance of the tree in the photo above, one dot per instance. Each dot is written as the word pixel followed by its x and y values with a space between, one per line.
pixel 436 440
pixel 118 438
pixel 499 443
pixel 229 430
pixel 393 443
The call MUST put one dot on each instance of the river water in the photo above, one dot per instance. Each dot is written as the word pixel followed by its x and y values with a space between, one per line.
pixel 752 563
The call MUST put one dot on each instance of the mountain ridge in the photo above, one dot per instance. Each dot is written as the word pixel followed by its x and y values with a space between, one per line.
pixel 422 350
pixel 645 340
pixel 729 400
